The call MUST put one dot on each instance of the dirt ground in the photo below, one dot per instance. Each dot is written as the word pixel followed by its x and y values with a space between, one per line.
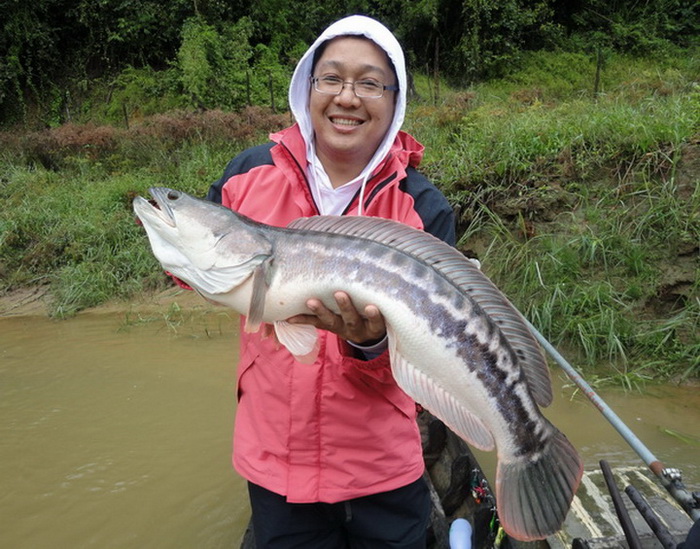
pixel 34 301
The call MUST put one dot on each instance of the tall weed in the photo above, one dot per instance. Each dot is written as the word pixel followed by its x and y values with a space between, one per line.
pixel 575 203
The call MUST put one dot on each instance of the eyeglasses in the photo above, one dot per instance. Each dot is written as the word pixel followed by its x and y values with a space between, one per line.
pixel 367 88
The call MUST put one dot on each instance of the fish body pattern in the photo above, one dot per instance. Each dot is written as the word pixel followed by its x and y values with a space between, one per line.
pixel 457 346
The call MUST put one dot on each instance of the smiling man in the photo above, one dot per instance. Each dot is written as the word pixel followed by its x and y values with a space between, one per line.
pixel 332 450
pixel 351 110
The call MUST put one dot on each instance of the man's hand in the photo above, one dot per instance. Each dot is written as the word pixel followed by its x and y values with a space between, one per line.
pixel 361 328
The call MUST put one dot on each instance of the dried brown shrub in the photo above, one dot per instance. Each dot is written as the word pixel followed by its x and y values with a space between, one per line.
pixel 212 124
pixel 86 137
pixel 50 147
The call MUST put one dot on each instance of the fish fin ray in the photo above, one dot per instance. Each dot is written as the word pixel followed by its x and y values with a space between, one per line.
pixel 534 496
pixel 300 339
pixel 516 331
pixel 251 327
pixel 438 401
pixel 464 273
pixel 220 280
pixel 261 283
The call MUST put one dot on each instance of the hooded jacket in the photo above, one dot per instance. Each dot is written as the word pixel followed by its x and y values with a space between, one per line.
pixel 299 91
pixel 339 428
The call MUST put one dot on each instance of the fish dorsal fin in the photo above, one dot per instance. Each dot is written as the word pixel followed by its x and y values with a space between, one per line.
pixel 452 264
pixel 438 401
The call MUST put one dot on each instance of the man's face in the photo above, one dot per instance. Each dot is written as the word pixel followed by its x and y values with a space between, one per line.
pixel 348 129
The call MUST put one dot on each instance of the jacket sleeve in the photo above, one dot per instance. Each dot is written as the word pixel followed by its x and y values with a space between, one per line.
pixel 431 205
pixel 244 162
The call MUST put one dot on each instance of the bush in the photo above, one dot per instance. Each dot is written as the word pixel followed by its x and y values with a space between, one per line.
pixel 213 65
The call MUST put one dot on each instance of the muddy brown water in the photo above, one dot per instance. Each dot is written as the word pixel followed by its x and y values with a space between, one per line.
pixel 115 430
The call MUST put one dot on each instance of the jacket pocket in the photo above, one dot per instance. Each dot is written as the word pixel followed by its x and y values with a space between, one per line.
pixel 248 357
pixel 384 386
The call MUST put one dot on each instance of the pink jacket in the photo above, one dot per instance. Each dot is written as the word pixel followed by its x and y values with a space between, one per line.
pixel 339 428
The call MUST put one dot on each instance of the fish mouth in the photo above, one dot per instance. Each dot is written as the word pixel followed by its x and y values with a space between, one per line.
pixel 162 197
pixel 159 205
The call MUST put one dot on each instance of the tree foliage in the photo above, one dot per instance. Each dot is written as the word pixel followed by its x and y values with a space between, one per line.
pixel 213 65
pixel 635 27
pixel 47 44
pixel 469 40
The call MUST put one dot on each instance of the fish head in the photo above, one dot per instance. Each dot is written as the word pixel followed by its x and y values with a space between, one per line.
pixel 207 245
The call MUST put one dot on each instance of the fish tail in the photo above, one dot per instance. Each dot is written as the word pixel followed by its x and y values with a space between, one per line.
pixel 534 495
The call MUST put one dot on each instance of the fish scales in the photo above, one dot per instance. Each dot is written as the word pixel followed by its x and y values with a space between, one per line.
pixel 426 294
pixel 456 344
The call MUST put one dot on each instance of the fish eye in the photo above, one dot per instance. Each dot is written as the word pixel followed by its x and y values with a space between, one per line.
pixel 173 195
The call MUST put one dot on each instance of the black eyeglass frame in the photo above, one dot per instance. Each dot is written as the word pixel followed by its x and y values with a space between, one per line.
pixel 314 80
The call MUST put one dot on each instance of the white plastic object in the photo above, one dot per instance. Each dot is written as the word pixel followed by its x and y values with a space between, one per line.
pixel 460 534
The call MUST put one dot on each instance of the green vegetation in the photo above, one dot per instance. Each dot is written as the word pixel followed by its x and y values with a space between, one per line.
pixel 61 59
pixel 566 137
pixel 584 208
pixel 193 323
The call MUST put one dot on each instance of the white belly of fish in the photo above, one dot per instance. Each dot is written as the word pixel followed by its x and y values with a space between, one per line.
pixel 423 364
pixel 431 372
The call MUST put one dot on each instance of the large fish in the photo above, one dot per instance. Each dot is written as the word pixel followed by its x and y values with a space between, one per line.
pixel 457 345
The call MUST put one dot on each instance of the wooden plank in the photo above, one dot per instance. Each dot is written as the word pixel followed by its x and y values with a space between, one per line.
pixel 592 516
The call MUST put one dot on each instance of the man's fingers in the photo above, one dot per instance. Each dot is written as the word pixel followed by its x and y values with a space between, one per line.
pixel 350 315
pixel 349 323
pixel 375 320
pixel 325 317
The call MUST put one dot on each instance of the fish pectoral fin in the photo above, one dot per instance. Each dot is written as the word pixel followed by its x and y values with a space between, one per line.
pixel 300 339
pixel 438 401
pixel 256 307
pixel 219 279
pixel 251 327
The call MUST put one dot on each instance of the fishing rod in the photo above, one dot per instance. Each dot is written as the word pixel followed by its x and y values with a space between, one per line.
pixel 670 478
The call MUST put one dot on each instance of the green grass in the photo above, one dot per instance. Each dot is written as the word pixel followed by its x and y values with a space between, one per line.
pixel 578 204
pixel 575 204
pixel 77 234
pixel 74 229
pixel 184 322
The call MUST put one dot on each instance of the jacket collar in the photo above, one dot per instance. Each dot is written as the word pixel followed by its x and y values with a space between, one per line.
pixel 404 152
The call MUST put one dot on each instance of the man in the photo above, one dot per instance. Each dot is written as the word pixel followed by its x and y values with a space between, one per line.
pixel 331 450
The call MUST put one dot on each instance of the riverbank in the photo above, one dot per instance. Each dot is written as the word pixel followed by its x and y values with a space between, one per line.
pixel 36 301
pixel 584 209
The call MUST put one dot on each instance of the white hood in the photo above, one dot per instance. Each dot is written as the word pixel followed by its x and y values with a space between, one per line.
pixel 300 88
